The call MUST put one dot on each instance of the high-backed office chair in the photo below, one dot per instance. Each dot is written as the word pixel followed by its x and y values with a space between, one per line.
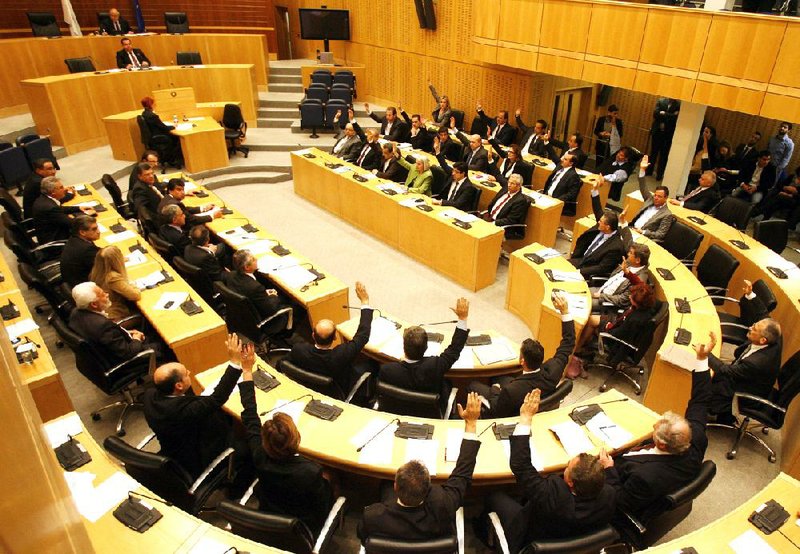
pixel 346 77
pixel 200 282
pixel 769 413
pixel 43 24
pixel 164 248
pixel 235 130
pixel 35 147
pixel 317 91
pixel 322 76
pixel 459 115
pixel 734 212
pixel 162 144
pixel 242 317
pixel 124 209
pixel 177 23
pixel 312 116
pixel 452 544
pixel 340 91
pixel 772 233
pixel 333 106
pixel 666 512
pixel 14 168
pixel 439 179
pixel 321 383
pixel 148 223
pixel 714 271
pixel 165 477
pixel 188 58
pixel 5 146
pixel 61 304
pixel 119 379
pixel 591 543
pixel 555 398
pixel 682 242
pixel 734 328
pixel 14 210
pixel 397 400
pixel 80 65
pixel 102 19
pixel 44 258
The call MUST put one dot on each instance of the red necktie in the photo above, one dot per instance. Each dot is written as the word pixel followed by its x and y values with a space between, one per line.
pixel 500 205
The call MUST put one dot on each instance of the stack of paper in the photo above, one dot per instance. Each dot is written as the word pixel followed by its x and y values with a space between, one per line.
pixel 102 228
pixel 568 276
pixel 466 360
pixel 93 502
pixel 268 264
pixel 573 438
pixel 292 409
pixel 751 542
pixel 602 427
pixel 681 356
pixel 135 258
pixel 189 187
pixel 261 246
pixel 378 451
pixel 342 169
pixel 176 299
pixel 368 176
pixel 393 347
pixel 548 253
pixel 240 237
pixel 20 328
pixel 119 237
pixel 453 446
pixel 149 281
pixel 498 351
pixel 434 348
pixel 59 431
pixel 303 151
pixel 89 204
pixel 411 202
pixel 183 126
pixel 391 186
pixel 425 451
pixel 295 276
pixel 382 329
pixel 577 303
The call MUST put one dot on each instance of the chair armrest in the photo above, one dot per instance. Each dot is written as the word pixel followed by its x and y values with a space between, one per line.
pixel 49 245
pixel 460 529
pixel 211 467
pixel 716 290
pixel 277 314
pixel 337 510
pixel 511 225
pixel 497 527
pixel 149 355
pixel 249 492
pixel 145 441
pixel 599 278
pixel 638 525
pixel 361 380
pixel 609 336
pixel 450 402
pixel 734 325
pixel 129 318
pixel 743 395
pixel 725 298
pixel 27 223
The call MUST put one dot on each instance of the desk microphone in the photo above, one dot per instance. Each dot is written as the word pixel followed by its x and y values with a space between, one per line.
pixel 682 336
pixel 118 227
pixel 493 426
pixel 279 406
pixel 437 323
pixel 740 244
pixel 702 220
pixel 781 273
pixel 684 306
pixel 140 495
pixel 395 420
pixel 380 314
pixel 666 274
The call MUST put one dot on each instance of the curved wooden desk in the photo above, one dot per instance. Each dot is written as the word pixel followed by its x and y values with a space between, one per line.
pixel 331 442
pixel 389 348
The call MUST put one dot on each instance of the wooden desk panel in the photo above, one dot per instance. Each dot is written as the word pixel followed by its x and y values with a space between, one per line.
pixel 203 145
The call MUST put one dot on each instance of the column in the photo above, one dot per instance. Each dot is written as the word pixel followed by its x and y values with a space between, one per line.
pixel 684 142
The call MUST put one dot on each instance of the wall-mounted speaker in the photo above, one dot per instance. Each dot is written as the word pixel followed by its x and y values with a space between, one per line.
pixel 425 14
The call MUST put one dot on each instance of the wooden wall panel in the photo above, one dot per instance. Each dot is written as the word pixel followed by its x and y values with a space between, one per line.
pixel 604 37
pixel 486 26
pixel 787 65
pixel 737 47
pixel 675 38
pixel 519 20
pixel 730 95
pixel 652 82
pixel 559 16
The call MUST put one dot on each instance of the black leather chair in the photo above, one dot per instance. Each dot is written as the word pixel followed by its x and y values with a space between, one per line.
pixel 102 19
pixel 148 223
pixel 622 356
pixel 317 91
pixel 320 383
pixel 459 116
pixel 322 76
pixel 278 530
pixel 177 23
pixel 734 328
pixel 682 242
pixel 478 127
pixel 162 144
pixel 772 233
pixel 235 129
pixel 241 317
pixel 124 209
pixel 444 545
pixel 331 108
pixel 164 248
pixel 590 543
pixel 555 398
pixel 665 513
pixel 80 65
pixel 44 258
pixel 714 271
pixel 113 380
pixel 734 212
pixel 14 210
pixel 35 147
pixel 166 478
pixel 312 116
pixel 61 303
pixel 43 24
pixel 200 282
pixel 14 168
pixel 340 91
pixel 768 412
pixel 439 179
pixel 397 400
pixel 188 58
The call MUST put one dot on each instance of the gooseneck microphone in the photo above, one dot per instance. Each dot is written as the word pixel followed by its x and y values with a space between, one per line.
pixel 395 420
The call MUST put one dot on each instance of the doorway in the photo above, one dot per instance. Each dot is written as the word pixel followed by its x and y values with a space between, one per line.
pixel 283 33
pixel 571 111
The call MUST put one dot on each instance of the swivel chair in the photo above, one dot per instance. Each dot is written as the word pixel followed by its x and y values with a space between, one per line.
pixel 177 23
pixel 43 24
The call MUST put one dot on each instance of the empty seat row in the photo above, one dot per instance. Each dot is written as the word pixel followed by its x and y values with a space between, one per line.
pixel 315 114
pixel 16 162
pixel 45 24
pixel 325 77
pixel 338 91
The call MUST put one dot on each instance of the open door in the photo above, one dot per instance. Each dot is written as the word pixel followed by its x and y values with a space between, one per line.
pixel 570 112
pixel 282 33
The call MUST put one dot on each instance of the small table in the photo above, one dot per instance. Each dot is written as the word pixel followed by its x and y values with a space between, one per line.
pixel 203 144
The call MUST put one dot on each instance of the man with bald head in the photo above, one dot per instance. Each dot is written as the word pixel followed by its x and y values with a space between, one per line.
pixel 349 145
pixel 335 361
pixel 676 454
pixel 475 155
pixel 115 25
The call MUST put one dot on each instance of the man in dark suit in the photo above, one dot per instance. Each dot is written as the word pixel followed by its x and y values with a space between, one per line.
pixel 509 207
pixel 243 281
pixel 173 230
pixel 115 25
pixel 414 509
pixel 419 137
pixel 506 394
pixel 615 171
pixel 151 157
pixel 755 179
pixel 42 167
pixel 392 127
pixel 389 168
pixel 88 319
pixel 192 430
pixel 499 129
pixel 573 146
pixel 674 457
pixel 704 197
pixel 176 192
pixel 459 192
pixel 565 184
pixel 130 57
pixel 598 250
pixel 348 145
pixel 654 218
pixel 208 257
pixel 608 131
pixel 335 361
pixel 451 149
pixel 475 155
pixel 417 372
pixel 665 117
pixel 747 151
pixel 555 506
pixel 144 193
pixel 78 255
pixel 51 220
pixel 533 138
pixel 369 156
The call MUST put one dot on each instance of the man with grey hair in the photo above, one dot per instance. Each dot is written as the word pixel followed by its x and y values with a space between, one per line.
pixel 349 145
pixel 51 220
pixel 704 197
pixel 475 155
pixel 675 456
pixel 172 230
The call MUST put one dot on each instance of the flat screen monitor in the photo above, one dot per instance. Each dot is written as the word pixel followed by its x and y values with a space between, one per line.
pixel 324 24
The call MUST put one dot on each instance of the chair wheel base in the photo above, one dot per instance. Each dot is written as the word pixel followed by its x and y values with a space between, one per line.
pixel 121 433
pixel 730 455
pixel 38 310
pixel 96 416
pixel 603 388
pixel 772 459
pixel 59 344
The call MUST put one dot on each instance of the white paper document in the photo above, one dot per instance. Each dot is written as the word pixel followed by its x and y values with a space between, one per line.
pixel 261 246
pixel 59 431
pixel 498 351
pixel 183 126
pixel 94 502
pixel 89 204
pixel 453 446
pixel 568 276
pixel 207 545
pixel 239 237
pixel 466 360
pixel 548 253
pixel 119 237
pixel 150 280
pixel 425 451
pixel 602 427
pixel 294 277
pixel 381 442
pixel 750 542
pixel 342 169
pixel 536 459
pixel 303 151
pixel 391 186
pixel 681 356
pixel 393 347
pixel 177 298
pixel 411 202
pixel 20 328
pixel 268 264
pixel 102 228
pixel 433 349
pixel 572 437
pixel 292 409
pixel 368 176
pixel 381 330
pixel 135 258
pixel 458 215
pixel 189 187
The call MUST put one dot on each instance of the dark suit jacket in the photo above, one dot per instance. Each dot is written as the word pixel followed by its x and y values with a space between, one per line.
pixel 179 239
pixel 111 340
pixel 657 226
pixel 741 160
pixel 503 170
pixel 435 517
pixel 205 260
pixel 399 132
pixel 192 430
pixel 580 155
pixel 192 218
pixel 254 290
pixel 143 195
pixel 704 201
pixel 646 478
pixel 107 27
pixel 567 190
pixel 478 160
pixel 32 191
pixel 506 135
pixel 537 147
pixel 423 140
pixel 506 401
pixel 602 145
pixel 293 487
pixel 336 362
pixel 77 260
pixel 351 148
pixel 373 157
pixel 765 182
pixel 453 150
pixel 427 374
pixel 394 171
pixel 123 60
pixel 156 126
pixel 52 221
pixel 665 124
pixel 515 211
pixel 605 257
pixel 464 198
pixel 552 511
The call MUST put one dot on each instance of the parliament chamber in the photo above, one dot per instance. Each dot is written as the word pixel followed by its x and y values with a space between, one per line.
pixel 317 223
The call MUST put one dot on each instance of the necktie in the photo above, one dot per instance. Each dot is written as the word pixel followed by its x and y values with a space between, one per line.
pixel 694 193
pixel 116 26
pixel 746 150
pixel 453 190
pixel 134 59
pixel 362 156
pixel 469 157
pixel 499 206
pixel 594 245
pixel 745 352
pixel 555 181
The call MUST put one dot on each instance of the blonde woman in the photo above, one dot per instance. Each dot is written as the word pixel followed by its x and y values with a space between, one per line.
pixel 441 115
pixel 420 177
pixel 110 275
